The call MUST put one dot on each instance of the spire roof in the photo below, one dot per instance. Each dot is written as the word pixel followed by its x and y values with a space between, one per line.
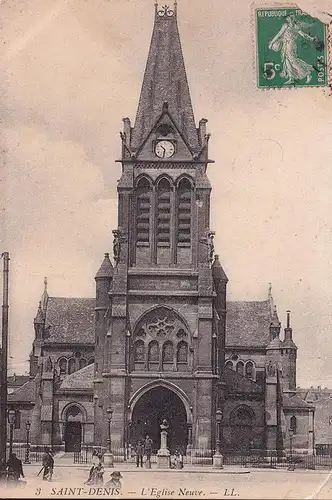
pixel 165 81
pixel 106 269
pixel 217 270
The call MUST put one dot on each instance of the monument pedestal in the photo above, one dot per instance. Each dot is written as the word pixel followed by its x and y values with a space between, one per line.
pixel 108 460
pixel 217 461
pixel 163 455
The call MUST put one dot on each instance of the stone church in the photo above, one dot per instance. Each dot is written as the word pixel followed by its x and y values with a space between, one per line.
pixel 160 340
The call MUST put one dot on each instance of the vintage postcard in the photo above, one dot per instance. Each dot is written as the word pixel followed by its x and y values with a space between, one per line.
pixel 165 241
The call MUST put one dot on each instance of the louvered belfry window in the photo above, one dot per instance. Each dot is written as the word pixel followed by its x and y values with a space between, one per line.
pixel 184 213
pixel 143 212
pixel 163 213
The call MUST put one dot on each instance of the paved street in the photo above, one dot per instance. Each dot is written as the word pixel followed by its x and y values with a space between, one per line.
pixel 68 482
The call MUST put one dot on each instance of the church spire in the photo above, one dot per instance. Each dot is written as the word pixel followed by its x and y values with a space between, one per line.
pixel 165 81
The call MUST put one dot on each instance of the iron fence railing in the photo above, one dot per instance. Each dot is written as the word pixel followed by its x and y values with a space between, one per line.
pixel 32 455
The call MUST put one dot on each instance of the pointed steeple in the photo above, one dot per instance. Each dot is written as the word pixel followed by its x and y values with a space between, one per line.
pixel 39 319
pixel 218 272
pixel 44 297
pixel 165 81
pixel 106 269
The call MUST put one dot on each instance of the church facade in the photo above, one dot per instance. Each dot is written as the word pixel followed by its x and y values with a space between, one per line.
pixel 160 340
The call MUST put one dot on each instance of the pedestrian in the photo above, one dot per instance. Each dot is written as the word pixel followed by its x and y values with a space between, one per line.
pixel 139 453
pixel 98 474
pixel 148 448
pixel 48 464
pixel 178 460
pixel 14 468
pixel 95 461
pixel 115 481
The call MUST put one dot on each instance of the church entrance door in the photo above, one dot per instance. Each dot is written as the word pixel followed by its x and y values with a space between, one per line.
pixel 73 429
pixel 73 435
pixel 151 409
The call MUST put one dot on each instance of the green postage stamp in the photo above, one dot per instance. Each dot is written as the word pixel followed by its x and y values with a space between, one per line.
pixel 291 48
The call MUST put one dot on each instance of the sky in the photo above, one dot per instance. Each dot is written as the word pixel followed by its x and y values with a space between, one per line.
pixel 72 69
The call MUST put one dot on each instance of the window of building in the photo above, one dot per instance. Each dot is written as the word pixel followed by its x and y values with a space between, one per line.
pixel 182 352
pixel 63 366
pixel 71 365
pixel 184 213
pixel 240 367
pixel 293 424
pixel 250 369
pixel 229 365
pixel 82 363
pixel 139 352
pixel 154 352
pixel 163 212
pixel 143 212
pixel 91 361
pixel 168 352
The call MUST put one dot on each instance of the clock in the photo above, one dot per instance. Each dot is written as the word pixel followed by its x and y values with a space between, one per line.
pixel 164 149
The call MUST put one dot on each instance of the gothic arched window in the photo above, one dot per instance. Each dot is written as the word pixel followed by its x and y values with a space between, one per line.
pixel 293 424
pixel 139 352
pixel 82 363
pixel 63 366
pixel 163 212
pixel 249 369
pixel 240 367
pixel 71 365
pixel 168 352
pixel 91 361
pixel 229 365
pixel 182 352
pixel 184 213
pixel 153 352
pixel 143 193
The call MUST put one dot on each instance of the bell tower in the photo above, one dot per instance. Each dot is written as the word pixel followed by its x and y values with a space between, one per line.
pixel 163 335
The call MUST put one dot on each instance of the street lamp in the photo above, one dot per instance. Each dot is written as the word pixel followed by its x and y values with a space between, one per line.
pixel 11 421
pixel 218 458
pixel 291 434
pixel 27 450
pixel 108 457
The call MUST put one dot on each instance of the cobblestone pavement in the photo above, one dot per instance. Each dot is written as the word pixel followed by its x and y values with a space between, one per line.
pixel 68 482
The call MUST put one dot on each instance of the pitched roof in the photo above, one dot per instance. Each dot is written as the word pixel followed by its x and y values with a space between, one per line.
pixel 106 269
pixel 237 383
pixel 295 402
pixel 17 380
pixel 82 379
pixel 247 323
pixel 70 320
pixel 24 394
pixel 165 80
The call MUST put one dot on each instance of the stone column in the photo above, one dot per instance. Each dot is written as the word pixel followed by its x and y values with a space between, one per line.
pixel 163 455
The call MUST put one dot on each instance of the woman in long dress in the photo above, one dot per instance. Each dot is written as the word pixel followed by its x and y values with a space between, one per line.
pixel 285 41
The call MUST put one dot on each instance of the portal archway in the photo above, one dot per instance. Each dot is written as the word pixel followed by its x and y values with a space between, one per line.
pixel 151 408
pixel 73 428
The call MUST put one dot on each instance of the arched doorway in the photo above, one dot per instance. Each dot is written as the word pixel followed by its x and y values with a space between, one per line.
pixel 242 422
pixel 73 429
pixel 153 406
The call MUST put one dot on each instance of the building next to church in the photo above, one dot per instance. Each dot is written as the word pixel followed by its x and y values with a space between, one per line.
pixel 160 340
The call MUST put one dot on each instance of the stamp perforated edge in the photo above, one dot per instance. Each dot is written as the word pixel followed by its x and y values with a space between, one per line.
pixel 280 5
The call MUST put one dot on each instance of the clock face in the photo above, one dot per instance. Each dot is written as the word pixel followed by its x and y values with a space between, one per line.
pixel 164 149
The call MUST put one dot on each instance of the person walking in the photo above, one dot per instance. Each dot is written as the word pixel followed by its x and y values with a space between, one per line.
pixel 48 464
pixel 148 450
pixel 14 468
pixel 95 461
pixel 139 453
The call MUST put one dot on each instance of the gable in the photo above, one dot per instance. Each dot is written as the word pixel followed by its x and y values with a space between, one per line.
pixel 165 129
